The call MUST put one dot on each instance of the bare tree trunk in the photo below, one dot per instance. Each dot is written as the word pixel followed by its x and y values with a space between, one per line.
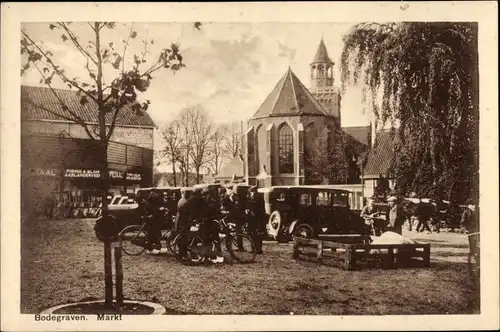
pixel 174 173
pixel 108 272
pixel 187 168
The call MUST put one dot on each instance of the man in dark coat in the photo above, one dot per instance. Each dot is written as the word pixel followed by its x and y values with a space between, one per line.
pixel 210 227
pixel 395 216
pixel 255 218
pixel 154 207
pixel 470 223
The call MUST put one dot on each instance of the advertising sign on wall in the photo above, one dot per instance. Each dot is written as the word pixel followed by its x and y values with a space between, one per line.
pixel 134 176
pixel 82 173
pixel 134 136
pixel 142 137
pixel 94 173
pixel 44 172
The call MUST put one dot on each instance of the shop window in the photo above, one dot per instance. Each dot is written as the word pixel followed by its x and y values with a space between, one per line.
pixel 285 149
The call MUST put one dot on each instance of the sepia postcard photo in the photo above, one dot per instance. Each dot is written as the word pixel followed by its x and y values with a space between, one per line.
pixel 249 166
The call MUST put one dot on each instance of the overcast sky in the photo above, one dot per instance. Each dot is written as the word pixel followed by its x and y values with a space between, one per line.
pixel 231 68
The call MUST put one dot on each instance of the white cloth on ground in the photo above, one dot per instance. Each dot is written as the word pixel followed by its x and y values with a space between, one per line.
pixel 390 238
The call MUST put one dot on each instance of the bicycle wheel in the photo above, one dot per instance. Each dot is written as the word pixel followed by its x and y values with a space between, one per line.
pixel 173 246
pixel 241 248
pixel 133 240
pixel 197 250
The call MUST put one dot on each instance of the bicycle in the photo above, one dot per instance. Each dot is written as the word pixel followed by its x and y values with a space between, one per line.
pixel 239 246
pixel 133 238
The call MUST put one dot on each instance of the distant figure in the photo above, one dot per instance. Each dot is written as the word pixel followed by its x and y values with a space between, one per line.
pixel 396 217
pixel 470 223
pixel 48 207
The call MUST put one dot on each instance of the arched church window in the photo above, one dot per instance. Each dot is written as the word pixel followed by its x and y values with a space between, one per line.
pixel 285 148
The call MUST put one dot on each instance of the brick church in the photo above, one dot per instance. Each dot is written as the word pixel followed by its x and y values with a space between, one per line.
pixel 296 138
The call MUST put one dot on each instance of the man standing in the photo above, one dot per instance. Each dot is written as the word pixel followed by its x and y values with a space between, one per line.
pixel 371 217
pixel 470 223
pixel 182 221
pixel 396 216
pixel 210 226
pixel 154 208
pixel 254 212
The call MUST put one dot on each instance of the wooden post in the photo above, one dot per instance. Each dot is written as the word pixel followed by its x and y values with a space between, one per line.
pixel 427 255
pixel 319 254
pixel 349 257
pixel 108 274
pixel 119 276
pixel 391 257
pixel 296 245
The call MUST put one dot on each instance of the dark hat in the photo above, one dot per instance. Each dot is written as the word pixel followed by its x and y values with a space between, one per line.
pixel 471 201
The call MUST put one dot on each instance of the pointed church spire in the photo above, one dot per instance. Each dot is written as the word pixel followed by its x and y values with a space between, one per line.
pixel 321 54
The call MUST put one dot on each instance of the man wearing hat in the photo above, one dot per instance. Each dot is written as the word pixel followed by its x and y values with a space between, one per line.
pixel 371 216
pixel 396 217
pixel 470 223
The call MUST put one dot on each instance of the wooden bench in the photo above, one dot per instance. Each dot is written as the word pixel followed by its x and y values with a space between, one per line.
pixel 353 255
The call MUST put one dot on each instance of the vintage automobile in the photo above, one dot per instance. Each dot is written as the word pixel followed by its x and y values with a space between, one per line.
pixel 214 188
pixel 129 212
pixel 309 211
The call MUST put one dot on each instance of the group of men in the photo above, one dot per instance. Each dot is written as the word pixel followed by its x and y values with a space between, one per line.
pixel 201 206
pixel 393 222
pixel 396 217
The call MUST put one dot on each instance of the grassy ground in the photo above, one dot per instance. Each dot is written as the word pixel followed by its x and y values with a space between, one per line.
pixel 62 262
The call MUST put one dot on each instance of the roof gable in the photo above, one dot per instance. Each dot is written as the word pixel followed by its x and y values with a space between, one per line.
pixel 234 167
pixel 380 157
pixel 32 96
pixel 289 97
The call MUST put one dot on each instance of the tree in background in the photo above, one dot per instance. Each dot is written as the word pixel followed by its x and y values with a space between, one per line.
pixel 200 127
pixel 112 83
pixel 326 157
pixel 216 152
pixel 232 139
pixel 174 142
pixel 423 79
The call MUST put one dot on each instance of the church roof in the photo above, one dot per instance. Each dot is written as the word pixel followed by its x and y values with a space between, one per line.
pixel 289 97
pixel 360 133
pixel 321 54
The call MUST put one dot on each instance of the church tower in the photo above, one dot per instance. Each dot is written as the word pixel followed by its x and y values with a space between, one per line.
pixel 322 82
